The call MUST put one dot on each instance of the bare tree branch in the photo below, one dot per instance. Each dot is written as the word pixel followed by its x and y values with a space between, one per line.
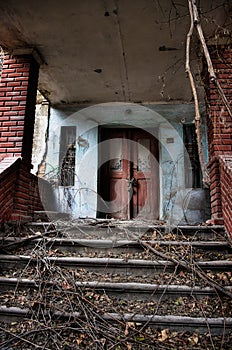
pixel 196 102
pixel 212 75
pixel 195 21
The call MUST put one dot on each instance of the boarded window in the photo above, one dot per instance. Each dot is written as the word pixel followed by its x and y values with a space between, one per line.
pixel 192 164
pixel 67 155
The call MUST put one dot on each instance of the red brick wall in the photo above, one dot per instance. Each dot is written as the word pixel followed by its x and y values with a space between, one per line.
pixel 23 197
pixel 20 194
pixel 226 190
pixel 8 177
pixel 17 105
pixel 219 129
pixel 220 123
pixel 19 191
pixel 215 192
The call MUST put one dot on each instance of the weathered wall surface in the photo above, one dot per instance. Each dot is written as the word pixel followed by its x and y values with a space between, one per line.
pixel 165 120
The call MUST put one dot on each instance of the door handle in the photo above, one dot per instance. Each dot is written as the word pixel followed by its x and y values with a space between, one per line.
pixel 130 183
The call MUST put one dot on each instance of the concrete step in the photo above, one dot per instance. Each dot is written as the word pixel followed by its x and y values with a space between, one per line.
pixel 112 265
pixel 122 290
pixel 127 230
pixel 216 325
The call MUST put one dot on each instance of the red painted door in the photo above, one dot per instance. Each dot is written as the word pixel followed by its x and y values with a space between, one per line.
pixel 129 176
pixel 145 175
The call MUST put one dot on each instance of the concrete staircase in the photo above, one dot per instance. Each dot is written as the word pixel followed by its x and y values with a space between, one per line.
pixel 130 275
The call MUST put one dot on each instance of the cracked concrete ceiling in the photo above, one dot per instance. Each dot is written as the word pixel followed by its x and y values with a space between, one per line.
pixel 106 50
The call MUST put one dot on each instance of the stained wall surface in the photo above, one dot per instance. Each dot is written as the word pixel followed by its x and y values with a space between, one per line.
pixel 177 203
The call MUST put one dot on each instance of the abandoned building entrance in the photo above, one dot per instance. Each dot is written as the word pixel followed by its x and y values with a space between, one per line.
pixel 128 174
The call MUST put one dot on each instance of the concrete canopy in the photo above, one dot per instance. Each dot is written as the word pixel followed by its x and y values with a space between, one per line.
pixel 107 50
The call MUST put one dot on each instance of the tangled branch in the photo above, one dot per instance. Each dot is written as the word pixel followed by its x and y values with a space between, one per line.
pixel 195 22
pixel 212 75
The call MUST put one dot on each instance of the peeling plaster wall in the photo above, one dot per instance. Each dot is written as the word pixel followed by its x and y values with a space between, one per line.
pixel 81 199
pixel 179 204
pixel 40 134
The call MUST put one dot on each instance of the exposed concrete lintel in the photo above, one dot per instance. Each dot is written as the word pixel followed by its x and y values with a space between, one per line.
pixel 28 51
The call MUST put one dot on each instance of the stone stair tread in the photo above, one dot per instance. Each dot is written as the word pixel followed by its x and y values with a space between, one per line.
pixel 136 286
pixel 108 260
pixel 110 243
pixel 215 324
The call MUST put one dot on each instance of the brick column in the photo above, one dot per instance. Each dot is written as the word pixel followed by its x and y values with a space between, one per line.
pixel 219 126
pixel 226 190
pixel 18 90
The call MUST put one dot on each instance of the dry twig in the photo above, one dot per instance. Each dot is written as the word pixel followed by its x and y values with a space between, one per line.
pixel 188 266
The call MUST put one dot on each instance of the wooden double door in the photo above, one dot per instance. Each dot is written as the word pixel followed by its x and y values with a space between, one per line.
pixel 128 174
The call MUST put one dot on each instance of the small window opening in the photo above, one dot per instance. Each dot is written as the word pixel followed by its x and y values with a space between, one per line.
pixel 192 163
pixel 67 155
